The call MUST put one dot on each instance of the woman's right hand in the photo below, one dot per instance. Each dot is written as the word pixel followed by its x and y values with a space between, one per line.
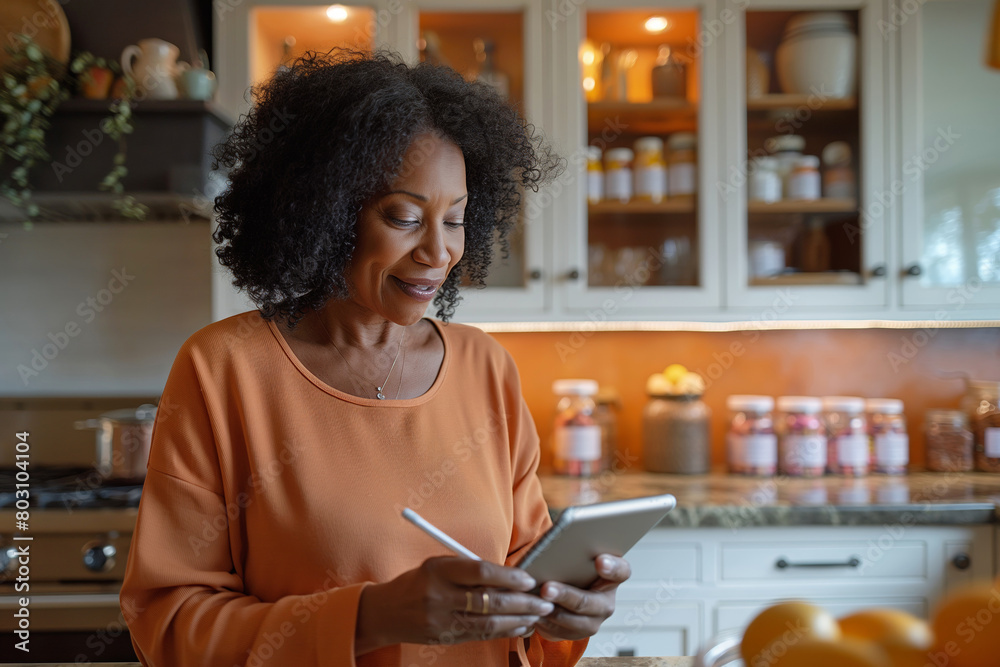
pixel 441 602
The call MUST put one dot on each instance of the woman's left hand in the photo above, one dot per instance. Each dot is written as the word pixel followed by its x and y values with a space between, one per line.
pixel 579 613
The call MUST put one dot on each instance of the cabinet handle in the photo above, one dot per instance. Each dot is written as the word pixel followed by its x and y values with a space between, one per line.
pixel 626 652
pixel 783 564
pixel 913 270
pixel 962 561
pixel 879 271
pixel 573 274
pixel 535 274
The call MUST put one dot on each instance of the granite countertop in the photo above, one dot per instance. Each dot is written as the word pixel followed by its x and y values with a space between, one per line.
pixel 730 501
pixel 584 662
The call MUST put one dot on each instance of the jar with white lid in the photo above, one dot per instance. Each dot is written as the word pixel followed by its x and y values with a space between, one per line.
pixel 765 181
pixel 650 176
pixel 890 441
pixel 848 450
pixel 576 436
pixel 751 444
pixel 682 170
pixel 595 175
pixel 804 181
pixel 786 149
pixel 618 174
pixel 801 436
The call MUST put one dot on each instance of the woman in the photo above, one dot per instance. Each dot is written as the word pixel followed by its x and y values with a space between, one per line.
pixel 290 438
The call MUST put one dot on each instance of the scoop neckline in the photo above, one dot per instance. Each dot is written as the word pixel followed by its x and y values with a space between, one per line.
pixel 369 402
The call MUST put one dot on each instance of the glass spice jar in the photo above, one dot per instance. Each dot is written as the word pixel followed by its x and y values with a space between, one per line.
pixel 618 174
pixel 595 175
pixel 607 403
pixel 675 434
pixel 948 441
pixel 890 442
pixel 801 436
pixel 986 426
pixel 576 447
pixel 682 172
pixel 751 444
pixel 650 177
pixel 847 451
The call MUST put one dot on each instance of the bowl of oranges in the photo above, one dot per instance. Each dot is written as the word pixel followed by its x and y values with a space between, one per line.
pixel 964 631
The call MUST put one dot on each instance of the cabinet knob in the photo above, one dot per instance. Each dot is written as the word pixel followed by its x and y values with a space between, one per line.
pixel 573 274
pixel 913 270
pixel 879 271
pixel 99 557
pixel 962 561
pixel 535 274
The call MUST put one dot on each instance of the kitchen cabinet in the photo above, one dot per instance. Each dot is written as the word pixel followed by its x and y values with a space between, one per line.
pixel 582 72
pixel 834 247
pixel 688 584
pixel 947 163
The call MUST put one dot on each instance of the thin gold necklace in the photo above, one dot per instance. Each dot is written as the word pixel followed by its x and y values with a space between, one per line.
pixel 378 387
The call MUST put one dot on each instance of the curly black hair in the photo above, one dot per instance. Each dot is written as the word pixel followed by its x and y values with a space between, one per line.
pixel 326 135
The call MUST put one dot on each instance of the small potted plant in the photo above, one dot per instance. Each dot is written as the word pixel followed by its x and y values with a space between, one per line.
pixel 34 84
pixel 95 75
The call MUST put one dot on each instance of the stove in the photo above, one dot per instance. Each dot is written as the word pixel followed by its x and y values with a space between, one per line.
pixel 69 488
pixel 73 530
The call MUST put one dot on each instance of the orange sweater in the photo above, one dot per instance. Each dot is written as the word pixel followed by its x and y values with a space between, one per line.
pixel 271 499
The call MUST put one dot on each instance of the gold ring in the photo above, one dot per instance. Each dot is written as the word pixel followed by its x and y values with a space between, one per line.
pixel 486 602
pixel 468 601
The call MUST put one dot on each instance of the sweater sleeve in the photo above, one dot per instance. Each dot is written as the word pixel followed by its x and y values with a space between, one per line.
pixel 183 592
pixel 531 520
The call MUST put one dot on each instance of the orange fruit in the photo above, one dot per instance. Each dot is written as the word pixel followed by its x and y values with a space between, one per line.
pixel 845 652
pixel 783 625
pixel 966 626
pixel 888 626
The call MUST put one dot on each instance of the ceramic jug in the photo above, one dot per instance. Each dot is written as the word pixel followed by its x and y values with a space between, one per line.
pixel 156 68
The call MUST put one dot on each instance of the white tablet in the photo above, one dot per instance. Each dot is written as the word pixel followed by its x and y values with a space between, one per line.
pixel 566 553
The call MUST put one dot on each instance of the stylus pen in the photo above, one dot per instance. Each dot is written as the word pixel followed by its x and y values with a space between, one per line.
pixel 439 535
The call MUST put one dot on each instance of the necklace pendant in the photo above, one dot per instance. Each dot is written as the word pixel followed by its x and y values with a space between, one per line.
pixel 380 395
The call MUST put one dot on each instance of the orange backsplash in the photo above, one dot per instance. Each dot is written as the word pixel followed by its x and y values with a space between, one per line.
pixel 889 363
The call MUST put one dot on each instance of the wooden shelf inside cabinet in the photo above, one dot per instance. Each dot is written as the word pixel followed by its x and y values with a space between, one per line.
pixel 669 206
pixel 813 206
pixel 812 102
pixel 657 117
pixel 806 279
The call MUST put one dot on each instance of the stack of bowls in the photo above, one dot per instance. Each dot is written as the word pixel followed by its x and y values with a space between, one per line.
pixel 818 55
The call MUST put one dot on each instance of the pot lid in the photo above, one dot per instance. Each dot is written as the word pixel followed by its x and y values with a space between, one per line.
pixel 144 413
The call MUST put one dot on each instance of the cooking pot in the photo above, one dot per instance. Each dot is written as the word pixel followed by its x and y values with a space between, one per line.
pixel 123 438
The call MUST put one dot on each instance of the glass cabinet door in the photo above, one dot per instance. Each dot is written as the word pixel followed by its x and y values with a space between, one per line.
pixel 641 226
pixel 493 45
pixel 811 124
pixel 255 37
pixel 950 159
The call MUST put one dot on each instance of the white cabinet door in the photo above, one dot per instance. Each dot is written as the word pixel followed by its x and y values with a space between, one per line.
pixel 949 160
pixel 657 260
pixel 738 614
pixel 852 279
pixel 459 33
pixel 652 628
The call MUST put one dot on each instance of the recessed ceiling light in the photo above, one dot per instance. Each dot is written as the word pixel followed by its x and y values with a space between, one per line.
pixel 657 23
pixel 336 13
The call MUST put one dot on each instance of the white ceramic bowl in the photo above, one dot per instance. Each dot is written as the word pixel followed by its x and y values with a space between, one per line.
pixel 818 62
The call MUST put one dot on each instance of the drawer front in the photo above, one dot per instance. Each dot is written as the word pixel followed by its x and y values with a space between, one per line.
pixel 655 560
pixel 738 614
pixel 823 562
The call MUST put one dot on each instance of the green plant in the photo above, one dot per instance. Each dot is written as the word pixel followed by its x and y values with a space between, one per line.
pixel 34 84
